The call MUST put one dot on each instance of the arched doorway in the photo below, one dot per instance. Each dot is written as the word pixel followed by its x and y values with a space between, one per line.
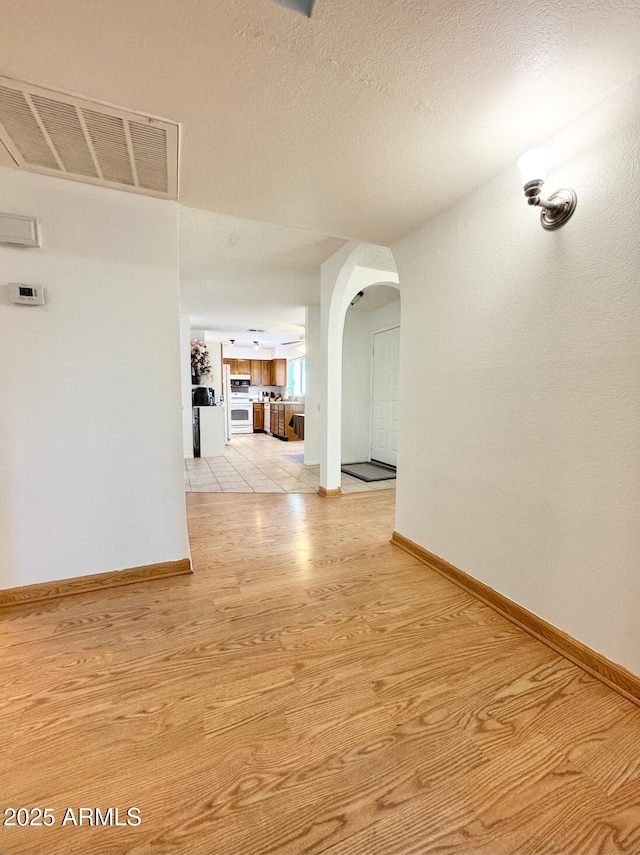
pixel 343 276
pixel 370 389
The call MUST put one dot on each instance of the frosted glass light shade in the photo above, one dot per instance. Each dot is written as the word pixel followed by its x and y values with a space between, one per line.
pixel 533 164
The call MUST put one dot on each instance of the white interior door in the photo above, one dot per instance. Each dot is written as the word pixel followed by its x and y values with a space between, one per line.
pixel 386 385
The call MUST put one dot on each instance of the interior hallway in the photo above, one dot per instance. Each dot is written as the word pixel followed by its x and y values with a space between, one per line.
pixel 310 688
pixel 258 463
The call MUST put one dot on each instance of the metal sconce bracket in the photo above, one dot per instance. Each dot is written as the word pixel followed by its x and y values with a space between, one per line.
pixel 557 209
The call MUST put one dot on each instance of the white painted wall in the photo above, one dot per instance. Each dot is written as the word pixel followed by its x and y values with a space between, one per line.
pixel 519 458
pixel 312 422
pixel 185 386
pixel 356 387
pixel 357 368
pixel 293 352
pixel 215 353
pixel 214 346
pixel 248 352
pixel 91 473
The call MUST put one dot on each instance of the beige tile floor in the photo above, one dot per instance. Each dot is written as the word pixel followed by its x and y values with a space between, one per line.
pixel 257 463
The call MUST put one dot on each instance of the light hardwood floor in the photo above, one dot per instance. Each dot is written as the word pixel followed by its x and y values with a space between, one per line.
pixel 310 689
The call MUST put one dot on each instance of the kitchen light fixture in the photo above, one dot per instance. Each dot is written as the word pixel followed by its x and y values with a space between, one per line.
pixel 256 345
pixel 559 207
pixel 357 298
pixel 232 342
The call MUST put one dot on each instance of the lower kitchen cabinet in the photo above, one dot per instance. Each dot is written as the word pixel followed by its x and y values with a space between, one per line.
pixel 258 418
pixel 281 416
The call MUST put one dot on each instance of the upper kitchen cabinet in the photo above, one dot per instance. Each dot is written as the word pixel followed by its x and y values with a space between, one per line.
pixel 263 372
pixel 278 372
pixel 238 366
pixel 256 372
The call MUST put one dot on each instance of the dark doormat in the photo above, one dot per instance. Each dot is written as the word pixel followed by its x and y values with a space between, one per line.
pixel 371 471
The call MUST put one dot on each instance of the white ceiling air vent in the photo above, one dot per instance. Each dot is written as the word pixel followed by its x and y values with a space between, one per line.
pixel 57 134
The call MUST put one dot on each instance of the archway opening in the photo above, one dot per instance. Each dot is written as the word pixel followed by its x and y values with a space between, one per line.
pixel 370 389
pixel 346 278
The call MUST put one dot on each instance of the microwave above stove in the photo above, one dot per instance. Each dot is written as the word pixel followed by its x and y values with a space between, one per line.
pixel 240 384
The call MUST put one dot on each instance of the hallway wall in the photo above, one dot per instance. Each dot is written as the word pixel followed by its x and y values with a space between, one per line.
pixel 91 471
pixel 519 456
pixel 357 368
pixel 313 360
pixel 185 383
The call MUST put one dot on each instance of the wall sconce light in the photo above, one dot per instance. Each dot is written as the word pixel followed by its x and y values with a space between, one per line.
pixel 357 298
pixel 232 342
pixel 559 207
pixel 256 345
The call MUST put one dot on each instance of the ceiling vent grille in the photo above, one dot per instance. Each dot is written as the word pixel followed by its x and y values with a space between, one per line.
pixel 57 134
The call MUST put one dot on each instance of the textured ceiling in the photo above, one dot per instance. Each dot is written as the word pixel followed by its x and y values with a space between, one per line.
pixel 238 274
pixel 376 296
pixel 359 122
pixel 379 258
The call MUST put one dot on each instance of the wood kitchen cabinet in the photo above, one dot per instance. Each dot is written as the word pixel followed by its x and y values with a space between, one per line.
pixel 278 372
pixel 258 418
pixel 263 372
pixel 280 418
pixel 234 365
pixel 256 371
pixel 238 366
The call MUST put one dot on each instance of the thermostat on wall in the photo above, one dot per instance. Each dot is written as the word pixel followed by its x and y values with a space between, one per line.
pixel 26 295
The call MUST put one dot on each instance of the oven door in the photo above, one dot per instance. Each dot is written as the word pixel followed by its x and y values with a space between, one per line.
pixel 241 418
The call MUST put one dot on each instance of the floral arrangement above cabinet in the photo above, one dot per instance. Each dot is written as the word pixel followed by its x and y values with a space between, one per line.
pixel 200 360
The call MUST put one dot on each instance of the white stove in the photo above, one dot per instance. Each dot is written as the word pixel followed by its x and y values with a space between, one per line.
pixel 241 414
pixel 239 409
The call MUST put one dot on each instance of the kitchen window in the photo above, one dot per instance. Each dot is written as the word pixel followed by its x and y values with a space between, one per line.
pixel 298 376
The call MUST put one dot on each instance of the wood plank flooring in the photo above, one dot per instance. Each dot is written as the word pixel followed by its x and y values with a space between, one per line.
pixel 310 689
